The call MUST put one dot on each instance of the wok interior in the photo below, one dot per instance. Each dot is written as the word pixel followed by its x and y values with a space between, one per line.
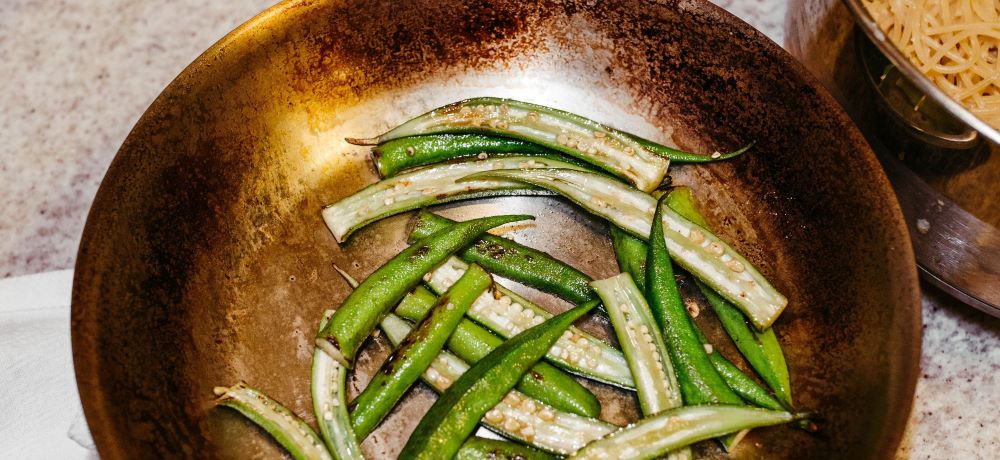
pixel 205 260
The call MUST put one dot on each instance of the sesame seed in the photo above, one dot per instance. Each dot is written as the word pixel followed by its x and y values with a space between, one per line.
pixel 708 348
pixel 716 154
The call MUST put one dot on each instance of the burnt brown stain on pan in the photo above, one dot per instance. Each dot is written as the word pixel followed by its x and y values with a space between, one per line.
pixel 205 260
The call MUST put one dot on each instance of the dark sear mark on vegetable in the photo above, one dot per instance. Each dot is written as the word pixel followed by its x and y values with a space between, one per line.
pixel 664 356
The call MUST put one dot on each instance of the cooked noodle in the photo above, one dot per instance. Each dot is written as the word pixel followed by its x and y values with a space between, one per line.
pixel 954 42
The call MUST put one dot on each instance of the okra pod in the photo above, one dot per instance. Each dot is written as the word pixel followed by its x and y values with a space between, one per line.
pixel 410 152
pixel 518 416
pixel 507 314
pixel 680 156
pixel 691 246
pixel 514 261
pixel 425 186
pixel 365 306
pixel 329 394
pixel 472 342
pixel 631 255
pixel 476 448
pixel 673 429
pixel 456 413
pixel 742 384
pixel 612 150
pixel 411 358
pixel 699 381
pixel 285 427
pixel 640 339
pixel 760 348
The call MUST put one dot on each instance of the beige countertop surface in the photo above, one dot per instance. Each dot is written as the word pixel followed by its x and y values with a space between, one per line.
pixel 77 75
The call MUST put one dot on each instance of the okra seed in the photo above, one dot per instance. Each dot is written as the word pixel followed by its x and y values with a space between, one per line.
pixel 389 201
pixel 735 265
pixel 583 145
pixel 450 306
pixel 335 402
pixel 599 134
pixel 537 320
pixel 505 300
pixel 465 110
pixel 327 415
pixel 494 416
pixel 511 425
pixel 547 414
pixel 592 362
pixel 716 154
pixel 527 431
pixel 529 405
pixel 503 125
pixel 696 236
pixel 562 139
pixel 527 313
pixel 715 248
pixel 433 374
pixel 708 348
pixel 643 329
pixel 219 391
pixel 482 156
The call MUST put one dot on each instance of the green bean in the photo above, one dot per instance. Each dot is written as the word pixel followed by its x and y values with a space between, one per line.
pixel 472 342
pixel 514 261
pixel 551 430
pixel 607 148
pixel 507 314
pixel 476 448
pixel 425 186
pixel 285 427
pixel 631 254
pixel 697 250
pixel 329 395
pixel 408 361
pixel 457 412
pixel 700 382
pixel 761 349
pixel 409 152
pixel 365 306
pixel 676 428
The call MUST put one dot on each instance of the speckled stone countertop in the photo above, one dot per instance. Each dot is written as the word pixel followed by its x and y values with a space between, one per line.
pixel 77 75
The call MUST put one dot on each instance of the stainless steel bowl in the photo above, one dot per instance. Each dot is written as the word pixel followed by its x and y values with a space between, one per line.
pixel 943 162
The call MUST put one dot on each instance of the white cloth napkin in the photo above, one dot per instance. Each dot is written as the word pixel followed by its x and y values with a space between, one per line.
pixel 40 413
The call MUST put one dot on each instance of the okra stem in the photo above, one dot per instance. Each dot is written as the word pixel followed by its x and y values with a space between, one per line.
pixel 285 427
pixel 365 306
pixel 576 136
pixel 515 261
pixel 456 413
pixel 472 342
pixel 414 355
pixel 693 247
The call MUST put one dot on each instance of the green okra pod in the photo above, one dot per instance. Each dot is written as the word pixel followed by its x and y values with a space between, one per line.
pixel 289 430
pixel 694 248
pixel 472 342
pixel 514 261
pixel 630 252
pixel 507 314
pixel 676 428
pixel 456 413
pixel 699 381
pixel 329 394
pixel 404 366
pixel 476 448
pixel 397 155
pixel 518 417
pixel 425 186
pixel 760 348
pixel 365 306
pixel 607 148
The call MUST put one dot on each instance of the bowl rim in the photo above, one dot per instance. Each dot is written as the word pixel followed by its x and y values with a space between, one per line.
pixel 871 28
